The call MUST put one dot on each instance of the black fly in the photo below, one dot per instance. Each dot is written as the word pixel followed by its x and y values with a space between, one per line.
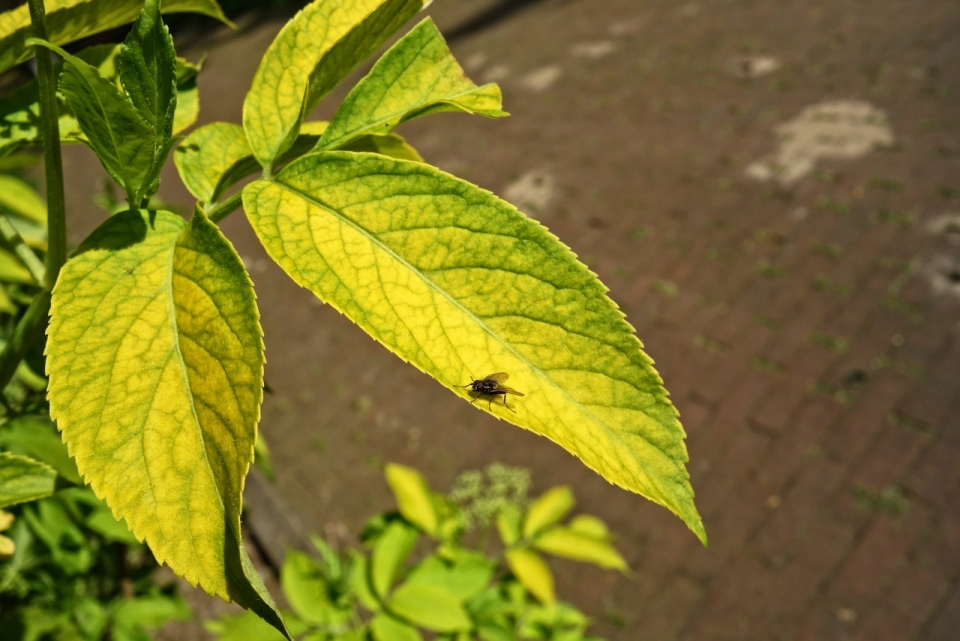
pixel 491 386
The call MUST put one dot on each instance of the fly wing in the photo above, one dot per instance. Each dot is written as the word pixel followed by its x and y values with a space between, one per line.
pixel 508 390
pixel 499 377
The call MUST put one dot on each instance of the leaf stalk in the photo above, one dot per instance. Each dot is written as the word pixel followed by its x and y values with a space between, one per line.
pixel 53 161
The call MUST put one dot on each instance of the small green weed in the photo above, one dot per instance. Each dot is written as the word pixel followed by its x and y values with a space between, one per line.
pixel 835 206
pixel 710 344
pixel 824 283
pixel 890 500
pixel 830 250
pixel 886 184
pixel 766 366
pixel 836 344
pixel 665 288
pixel 769 270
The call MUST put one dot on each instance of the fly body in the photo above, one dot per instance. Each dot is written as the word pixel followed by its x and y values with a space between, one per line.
pixel 492 386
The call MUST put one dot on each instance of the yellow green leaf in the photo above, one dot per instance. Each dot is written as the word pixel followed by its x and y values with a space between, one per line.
pixel 311 54
pixel 7 305
pixel 508 524
pixel 570 544
pixel 549 508
pixel 386 628
pixel 188 96
pixel 210 156
pixel 532 571
pixel 389 554
pixel 155 360
pixel 590 526
pixel 414 497
pixel 459 283
pixel 417 76
pixel 69 20
pixel 24 479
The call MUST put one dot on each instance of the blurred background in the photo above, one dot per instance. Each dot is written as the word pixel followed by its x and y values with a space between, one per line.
pixel 771 191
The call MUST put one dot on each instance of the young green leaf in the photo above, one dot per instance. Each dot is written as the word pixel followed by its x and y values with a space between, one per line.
pixel 460 283
pixel 24 479
pixel 532 571
pixel 148 72
pixel 414 497
pixel 417 76
pixel 387 628
pixel 121 138
pixel 549 508
pixel 509 520
pixel 464 579
pixel 570 544
pixel 429 606
pixel 307 591
pixel 69 20
pixel 390 551
pixel 155 359
pixel 311 54
pixel 358 578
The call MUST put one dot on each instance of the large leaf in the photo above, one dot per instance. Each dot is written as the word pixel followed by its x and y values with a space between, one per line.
pixel 417 76
pixel 20 111
pixel 459 283
pixel 310 55
pixel 155 360
pixel 24 479
pixel 114 129
pixel 69 20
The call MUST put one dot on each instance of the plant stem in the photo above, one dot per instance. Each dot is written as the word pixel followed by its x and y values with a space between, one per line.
pixel 22 250
pixel 222 209
pixel 29 328
pixel 50 129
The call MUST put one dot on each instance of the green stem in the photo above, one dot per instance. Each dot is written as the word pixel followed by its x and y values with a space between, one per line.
pixel 22 250
pixel 27 331
pixel 222 209
pixel 50 129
